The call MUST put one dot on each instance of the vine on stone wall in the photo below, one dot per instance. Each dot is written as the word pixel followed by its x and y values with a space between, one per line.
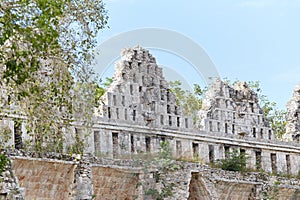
pixel 3 162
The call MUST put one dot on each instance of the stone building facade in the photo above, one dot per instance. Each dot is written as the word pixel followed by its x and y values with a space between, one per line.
pixel 139 110
pixel 234 110
pixel 63 177
pixel 293 117
pixel 139 94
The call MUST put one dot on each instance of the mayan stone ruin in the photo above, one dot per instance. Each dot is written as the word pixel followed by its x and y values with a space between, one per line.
pixel 293 117
pixel 136 114
pixel 234 111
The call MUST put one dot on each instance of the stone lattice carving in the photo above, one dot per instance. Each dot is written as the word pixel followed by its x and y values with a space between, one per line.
pixel 140 94
pixel 293 117
pixel 233 110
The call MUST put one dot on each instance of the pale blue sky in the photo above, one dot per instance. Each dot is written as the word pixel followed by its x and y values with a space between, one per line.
pixel 246 39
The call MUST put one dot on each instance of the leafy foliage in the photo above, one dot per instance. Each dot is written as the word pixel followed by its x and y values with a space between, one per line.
pixel 45 51
pixel 100 90
pixel 271 111
pixel 32 30
pixel 77 147
pixel 166 192
pixel 5 135
pixel 3 162
pixel 191 102
pixel 165 164
pixel 234 161
pixel 165 150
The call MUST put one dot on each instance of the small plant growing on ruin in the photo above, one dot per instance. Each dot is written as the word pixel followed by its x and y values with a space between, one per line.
pixel 298 175
pixel 167 191
pixel 77 147
pixel 164 158
pixel 235 161
pixel 165 164
pixel 5 135
pixel 273 192
pixel 3 162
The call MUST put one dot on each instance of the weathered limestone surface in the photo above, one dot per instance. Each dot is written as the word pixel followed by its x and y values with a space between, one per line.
pixel 198 189
pixel 293 117
pixel 234 110
pixel 83 180
pixel 111 183
pixel 45 180
pixel 136 114
pixel 140 94
pixel 217 184
pixel 230 119
pixel 131 179
pixel 9 185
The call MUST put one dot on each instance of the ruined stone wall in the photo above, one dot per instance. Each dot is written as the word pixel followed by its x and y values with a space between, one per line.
pixel 7 129
pixel 293 117
pixel 45 180
pixel 212 183
pixel 123 142
pixel 138 112
pixel 101 178
pixel 140 94
pixel 233 110
pixel 9 185
pixel 111 183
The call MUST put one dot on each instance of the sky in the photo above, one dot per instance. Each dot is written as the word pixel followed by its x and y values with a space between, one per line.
pixel 247 40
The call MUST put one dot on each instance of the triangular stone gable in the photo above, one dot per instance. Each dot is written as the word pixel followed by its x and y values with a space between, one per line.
pixel 234 110
pixel 140 94
pixel 293 117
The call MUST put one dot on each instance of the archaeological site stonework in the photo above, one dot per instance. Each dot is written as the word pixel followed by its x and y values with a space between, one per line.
pixel 293 117
pixel 136 114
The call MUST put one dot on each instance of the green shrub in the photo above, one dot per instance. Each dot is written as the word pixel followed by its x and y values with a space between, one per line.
pixel 298 175
pixel 3 162
pixel 234 161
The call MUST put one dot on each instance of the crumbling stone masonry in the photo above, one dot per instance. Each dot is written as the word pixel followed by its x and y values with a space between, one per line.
pixel 139 94
pixel 54 177
pixel 137 112
pixel 9 185
pixel 234 111
pixel 293 117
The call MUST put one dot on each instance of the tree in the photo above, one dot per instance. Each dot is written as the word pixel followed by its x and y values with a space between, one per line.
pixel 190 102
pixel 100 90
pixel 45 50
pixel 164 164
pixel 63 30
pixel 270 111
